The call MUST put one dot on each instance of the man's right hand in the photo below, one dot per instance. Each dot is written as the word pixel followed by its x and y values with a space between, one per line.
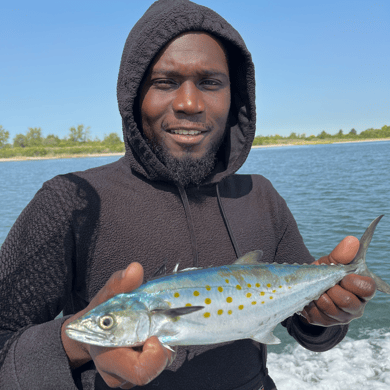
pixel 122 367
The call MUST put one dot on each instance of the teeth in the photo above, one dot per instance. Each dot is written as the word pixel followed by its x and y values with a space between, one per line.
pixel 186 132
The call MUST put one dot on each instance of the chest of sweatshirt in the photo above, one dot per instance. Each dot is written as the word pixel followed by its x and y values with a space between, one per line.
pixel 117 217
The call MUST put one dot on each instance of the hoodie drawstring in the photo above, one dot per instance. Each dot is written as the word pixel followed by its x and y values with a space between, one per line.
pixel 187 211
pixel 228 228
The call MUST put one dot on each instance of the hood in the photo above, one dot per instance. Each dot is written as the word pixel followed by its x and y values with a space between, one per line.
pixel 164 20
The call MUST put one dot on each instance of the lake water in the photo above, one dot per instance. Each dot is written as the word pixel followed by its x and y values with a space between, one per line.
pixel 333 191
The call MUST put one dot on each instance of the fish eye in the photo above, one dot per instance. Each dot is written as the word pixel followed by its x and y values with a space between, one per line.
pixel 106 322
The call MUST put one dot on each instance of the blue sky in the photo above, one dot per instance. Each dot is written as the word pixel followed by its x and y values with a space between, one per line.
pixel 320 65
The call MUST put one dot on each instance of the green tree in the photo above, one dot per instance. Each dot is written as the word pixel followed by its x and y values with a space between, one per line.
pixel 34 136
pixel 324 135
pixel 112 138
pixel 51 140
pixel 20 141
pixel 353 132
pixel 340 133
pixel 4 135
pixel 292 136
pixel 79 134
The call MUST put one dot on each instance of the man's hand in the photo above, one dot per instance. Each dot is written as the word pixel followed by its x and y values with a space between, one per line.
pixel 122 367
pixel 346 300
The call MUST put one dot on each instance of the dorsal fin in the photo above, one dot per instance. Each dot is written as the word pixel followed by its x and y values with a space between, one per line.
pixel 160 271
pixel 250 258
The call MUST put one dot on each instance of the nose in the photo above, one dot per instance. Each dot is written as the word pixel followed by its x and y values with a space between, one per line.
pixel 188 99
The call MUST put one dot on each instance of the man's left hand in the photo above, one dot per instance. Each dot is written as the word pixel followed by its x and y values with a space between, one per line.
pixel 346 300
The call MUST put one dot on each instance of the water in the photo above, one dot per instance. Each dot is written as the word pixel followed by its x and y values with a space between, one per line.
pixel 333 191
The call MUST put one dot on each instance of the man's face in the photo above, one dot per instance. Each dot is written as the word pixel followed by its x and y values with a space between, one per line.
pixel 185 99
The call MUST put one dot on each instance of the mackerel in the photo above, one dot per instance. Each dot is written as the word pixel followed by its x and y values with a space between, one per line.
pixel 217 304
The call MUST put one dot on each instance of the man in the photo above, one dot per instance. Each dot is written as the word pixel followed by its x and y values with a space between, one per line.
pixel 187 100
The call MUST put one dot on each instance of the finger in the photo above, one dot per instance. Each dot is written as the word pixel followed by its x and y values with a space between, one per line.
pixel 152 361
pixel 122 281
pixel 363 287
pixel 316 317
pixel 125 366
pixel 343 253
pixel 325 312
pixel 346 302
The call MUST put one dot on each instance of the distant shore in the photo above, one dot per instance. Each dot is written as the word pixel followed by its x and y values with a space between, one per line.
pixel 293 143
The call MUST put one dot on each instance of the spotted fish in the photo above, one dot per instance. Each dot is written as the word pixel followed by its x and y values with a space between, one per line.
pixel 216 304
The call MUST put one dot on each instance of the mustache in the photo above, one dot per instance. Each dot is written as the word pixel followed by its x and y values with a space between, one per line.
pixel 187 124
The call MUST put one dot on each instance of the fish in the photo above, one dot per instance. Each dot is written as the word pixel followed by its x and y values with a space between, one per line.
pixel 201 306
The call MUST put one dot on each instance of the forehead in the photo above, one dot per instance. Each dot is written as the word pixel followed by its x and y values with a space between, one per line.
pixel 193 51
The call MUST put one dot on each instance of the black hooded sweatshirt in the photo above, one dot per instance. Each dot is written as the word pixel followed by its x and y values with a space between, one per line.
pixel 83 226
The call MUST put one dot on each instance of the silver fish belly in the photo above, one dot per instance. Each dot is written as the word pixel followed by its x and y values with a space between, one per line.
pixel 217 304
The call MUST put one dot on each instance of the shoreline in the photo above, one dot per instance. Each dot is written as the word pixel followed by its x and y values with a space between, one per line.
pixel 63 156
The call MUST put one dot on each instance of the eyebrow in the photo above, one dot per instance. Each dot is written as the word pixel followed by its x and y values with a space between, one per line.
pixel 174 73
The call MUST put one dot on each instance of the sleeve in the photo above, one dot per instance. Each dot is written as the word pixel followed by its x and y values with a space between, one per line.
pixel 292 249
pixel 35 281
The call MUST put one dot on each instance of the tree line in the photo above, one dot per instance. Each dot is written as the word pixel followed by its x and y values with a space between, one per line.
pixel 79 141
pixel 34 137
pixel 370 133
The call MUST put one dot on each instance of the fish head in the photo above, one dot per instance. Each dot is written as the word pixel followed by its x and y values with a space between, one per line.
pixel 117 322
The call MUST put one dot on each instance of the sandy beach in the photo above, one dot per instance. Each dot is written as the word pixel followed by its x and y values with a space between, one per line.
pixel 54 157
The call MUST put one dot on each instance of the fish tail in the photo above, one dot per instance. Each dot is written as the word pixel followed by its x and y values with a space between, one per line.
pixel 358 264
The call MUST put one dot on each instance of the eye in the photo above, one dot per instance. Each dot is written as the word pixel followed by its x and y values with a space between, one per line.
pixel 106 322
pixel 164 83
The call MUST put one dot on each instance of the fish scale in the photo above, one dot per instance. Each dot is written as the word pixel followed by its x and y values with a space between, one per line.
pixel 216 304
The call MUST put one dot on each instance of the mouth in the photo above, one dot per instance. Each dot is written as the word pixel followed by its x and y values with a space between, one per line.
pixel 83 335
pixel 186 136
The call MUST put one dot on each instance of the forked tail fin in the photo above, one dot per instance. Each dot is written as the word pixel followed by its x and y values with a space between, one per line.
pixel 360 258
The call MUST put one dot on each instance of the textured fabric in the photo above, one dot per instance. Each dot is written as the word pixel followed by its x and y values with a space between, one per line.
pixel 83 226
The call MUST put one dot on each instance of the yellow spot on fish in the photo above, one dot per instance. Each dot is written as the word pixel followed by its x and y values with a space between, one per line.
pixel 254 302
pixel 248 295
pixel 206 315
pixel 207 301
pixel 257 284
pixel 208 288
pixel 227 280
pixel 238 287
pixel 271 297
pixel 169 303
pixel 176 295
pixel 249 285
pixel 240 307
pixel 268 285
pixel 230 312
pixel 196 293
pixel 220 311
pixel 188 304
pixel 262 293
pixel 229 299
pixel 220 289
pixel 280 286
pixel 274 291
pixel 262 302
pixel 289 286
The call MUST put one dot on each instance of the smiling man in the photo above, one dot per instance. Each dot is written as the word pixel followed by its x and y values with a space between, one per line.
pixel 185 103
pixel 186 94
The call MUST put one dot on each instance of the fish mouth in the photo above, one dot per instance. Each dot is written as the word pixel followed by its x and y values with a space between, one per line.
pixel 85 335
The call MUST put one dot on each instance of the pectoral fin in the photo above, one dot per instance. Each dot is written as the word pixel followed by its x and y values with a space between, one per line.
pixel 178 311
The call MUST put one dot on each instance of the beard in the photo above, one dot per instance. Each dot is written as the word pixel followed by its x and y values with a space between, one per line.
pixel 188 170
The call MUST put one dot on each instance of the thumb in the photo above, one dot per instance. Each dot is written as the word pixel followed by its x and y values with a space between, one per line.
pixel 122 282
pixel 344 252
